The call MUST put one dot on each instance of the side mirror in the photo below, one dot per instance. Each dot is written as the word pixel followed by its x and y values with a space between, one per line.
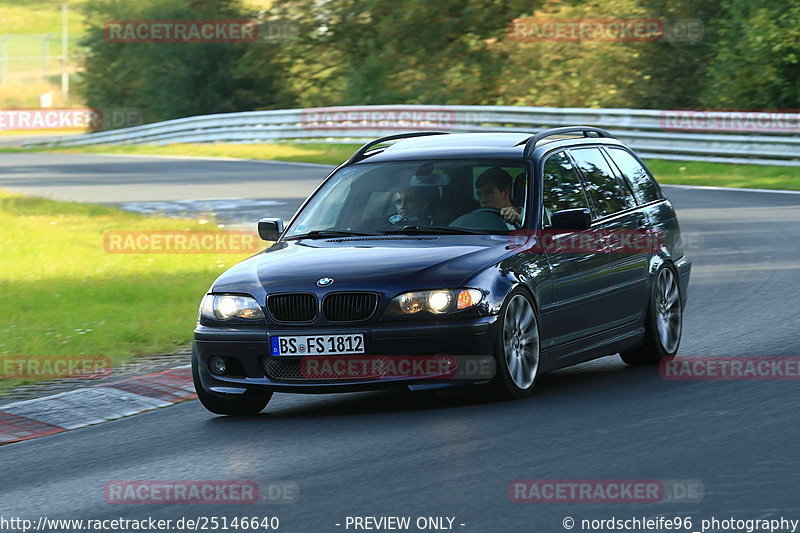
pixel 270 229
pixel 571 219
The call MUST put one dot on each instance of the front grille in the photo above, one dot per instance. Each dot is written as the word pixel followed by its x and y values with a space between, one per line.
pixel 349 306
pixel 282 369
pixel 292 369
pixel 298 307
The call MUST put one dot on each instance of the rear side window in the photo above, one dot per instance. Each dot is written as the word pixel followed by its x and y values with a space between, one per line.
pixel 562 188
pixel 606 192
pixel 643 185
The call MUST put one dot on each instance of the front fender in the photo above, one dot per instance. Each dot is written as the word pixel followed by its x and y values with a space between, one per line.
pixel 528 270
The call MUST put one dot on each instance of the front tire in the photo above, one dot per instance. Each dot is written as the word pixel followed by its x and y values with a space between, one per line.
pixel 518 347
pixel 249 403
pixel 664 322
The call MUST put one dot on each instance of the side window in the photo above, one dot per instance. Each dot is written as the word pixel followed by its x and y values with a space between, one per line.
pixel 562 188
pixel 607 194
pixel 643 185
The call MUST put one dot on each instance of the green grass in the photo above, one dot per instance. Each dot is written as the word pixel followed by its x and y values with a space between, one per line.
pixel 669 172
pixel 725 174
pixel 40 17
pixel 322 153
pixel 26 23
pixel 64 295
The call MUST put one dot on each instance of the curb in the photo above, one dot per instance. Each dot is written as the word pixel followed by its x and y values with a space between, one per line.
pixel 31 419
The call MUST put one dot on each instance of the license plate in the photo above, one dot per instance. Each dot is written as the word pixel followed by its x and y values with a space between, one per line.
pixel 317 345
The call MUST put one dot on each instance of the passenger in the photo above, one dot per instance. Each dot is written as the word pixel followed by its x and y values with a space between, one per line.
pixel 413 208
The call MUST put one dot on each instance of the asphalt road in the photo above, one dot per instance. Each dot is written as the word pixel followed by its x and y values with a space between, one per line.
pixel 454 454
pixel 235 191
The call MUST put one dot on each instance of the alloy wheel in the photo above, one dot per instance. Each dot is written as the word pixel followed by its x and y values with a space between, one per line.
pixel 521 341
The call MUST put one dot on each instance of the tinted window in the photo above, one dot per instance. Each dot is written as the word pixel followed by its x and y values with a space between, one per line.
pixel 643 185
pixel 562 186
pixel 386 197
pixel 607 194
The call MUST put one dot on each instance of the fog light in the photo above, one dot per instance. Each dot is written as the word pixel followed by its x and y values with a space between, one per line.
pixel 217 365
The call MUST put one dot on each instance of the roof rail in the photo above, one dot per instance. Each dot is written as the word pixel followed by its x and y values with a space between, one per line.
pixel 359 155
pixel 530 145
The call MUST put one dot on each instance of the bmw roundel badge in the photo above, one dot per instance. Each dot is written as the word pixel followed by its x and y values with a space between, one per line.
pixel 324 282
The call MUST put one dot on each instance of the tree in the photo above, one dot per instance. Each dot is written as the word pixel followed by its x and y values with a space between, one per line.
pixel 757 57
pixel 171 80
pixel 416 51
pixel 676 66
pixel 567 73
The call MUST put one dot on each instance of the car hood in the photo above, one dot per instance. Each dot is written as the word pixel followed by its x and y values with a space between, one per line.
pixel 356 264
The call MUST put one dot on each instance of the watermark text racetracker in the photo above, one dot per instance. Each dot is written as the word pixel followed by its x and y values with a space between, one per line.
pixel 606 491
pixel 198 31
pixel 541 29
pixel 327 367
pixel 54 367
pixel 69 118
pixel 767 121
pixel 198 492
pixel 181 242
pixel 731 368
pixel 377 117
pixel 587 241
pixel 601 241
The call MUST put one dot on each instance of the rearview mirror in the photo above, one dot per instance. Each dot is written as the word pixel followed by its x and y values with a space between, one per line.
pixel 270 229
pixel 571 219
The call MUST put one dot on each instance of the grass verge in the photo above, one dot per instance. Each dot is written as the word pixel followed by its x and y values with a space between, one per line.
pixel 725 174
pixel 64 295
pixel 321 153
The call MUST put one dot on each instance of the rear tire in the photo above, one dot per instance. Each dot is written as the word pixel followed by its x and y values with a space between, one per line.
pixel 664 322
pixel 249 403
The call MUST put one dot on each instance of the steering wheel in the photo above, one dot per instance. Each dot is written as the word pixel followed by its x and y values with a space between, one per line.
pixel 495 211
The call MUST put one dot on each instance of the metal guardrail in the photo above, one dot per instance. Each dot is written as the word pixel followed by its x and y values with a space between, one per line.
pixel 736 137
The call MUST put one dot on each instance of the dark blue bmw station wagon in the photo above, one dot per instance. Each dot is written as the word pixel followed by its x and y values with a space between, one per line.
pixel 436 260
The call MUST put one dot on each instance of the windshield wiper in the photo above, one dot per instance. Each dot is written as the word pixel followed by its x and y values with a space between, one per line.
pixel 325 233
pixel 442 230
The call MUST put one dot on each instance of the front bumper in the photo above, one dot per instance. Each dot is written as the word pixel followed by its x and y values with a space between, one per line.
pixel 246 350
pixel 684 266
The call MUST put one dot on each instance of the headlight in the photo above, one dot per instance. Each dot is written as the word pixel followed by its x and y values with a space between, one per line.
pixel 438 301
pixel 227 306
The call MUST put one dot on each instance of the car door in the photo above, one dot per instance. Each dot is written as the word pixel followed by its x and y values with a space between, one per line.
pixel 623 227
pixel 636 294
pixel 580 276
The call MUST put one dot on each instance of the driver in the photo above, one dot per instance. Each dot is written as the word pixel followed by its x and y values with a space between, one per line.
pixel 494 190
pixel 413 207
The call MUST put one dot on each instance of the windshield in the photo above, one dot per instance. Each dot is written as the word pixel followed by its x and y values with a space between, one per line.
pixel 482 196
